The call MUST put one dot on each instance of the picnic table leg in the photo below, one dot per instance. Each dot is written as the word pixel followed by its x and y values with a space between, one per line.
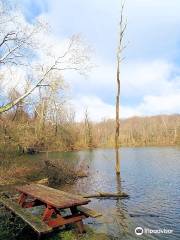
pixel 22 199
pixel 59 220
pixel 48 213
pixel 79 224
pixel 53 222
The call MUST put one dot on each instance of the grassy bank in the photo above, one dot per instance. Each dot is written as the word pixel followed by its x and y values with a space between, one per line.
pixel 32 168
pixel 72 235
pixel 13 228
pixel 19 169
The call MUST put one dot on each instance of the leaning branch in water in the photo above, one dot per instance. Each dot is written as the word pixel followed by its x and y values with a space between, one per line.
pixel 107 195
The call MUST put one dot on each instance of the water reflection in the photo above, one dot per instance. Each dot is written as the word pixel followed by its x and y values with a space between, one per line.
pixel 120 216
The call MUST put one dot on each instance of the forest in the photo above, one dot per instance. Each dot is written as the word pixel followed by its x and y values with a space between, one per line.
pixel 22 133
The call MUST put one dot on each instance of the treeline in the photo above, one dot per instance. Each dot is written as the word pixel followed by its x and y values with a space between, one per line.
pixel 142 131
pixel 21 132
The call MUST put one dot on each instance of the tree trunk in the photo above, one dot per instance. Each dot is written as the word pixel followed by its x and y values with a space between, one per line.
pixel 117 120
pixel 120 48
pixel 107 195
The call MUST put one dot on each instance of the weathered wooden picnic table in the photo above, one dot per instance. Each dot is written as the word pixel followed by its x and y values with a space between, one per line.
pixel 53 201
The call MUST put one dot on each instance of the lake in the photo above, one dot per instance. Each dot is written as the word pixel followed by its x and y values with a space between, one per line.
pixel 150 175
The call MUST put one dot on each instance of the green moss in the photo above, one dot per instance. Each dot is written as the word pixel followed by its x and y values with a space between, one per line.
pixel 72 235
pixel 13 228
pixel 67 235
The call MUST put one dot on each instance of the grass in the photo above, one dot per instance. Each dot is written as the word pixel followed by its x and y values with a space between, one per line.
pixel 72 235
pixel 27 168
pixel 19 169
pixel 13 228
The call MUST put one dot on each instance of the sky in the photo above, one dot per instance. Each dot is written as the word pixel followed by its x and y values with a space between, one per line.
pixel 150 71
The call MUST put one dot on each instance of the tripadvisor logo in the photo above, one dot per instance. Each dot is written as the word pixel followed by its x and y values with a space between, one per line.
pixel 139 231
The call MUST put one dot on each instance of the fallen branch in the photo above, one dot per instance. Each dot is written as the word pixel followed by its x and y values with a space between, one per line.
pixel 107 195
pixel 42 181
pixel 81 174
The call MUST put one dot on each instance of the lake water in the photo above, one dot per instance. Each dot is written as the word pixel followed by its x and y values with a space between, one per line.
pixel 151 176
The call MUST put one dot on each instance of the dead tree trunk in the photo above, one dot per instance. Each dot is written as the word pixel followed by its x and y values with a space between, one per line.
pixel 119 59
pixel 117 121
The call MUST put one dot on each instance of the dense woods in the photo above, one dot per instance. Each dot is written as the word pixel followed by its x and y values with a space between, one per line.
pixel 21 132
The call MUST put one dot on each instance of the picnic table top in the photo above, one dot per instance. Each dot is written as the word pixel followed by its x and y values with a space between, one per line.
pixel 51 196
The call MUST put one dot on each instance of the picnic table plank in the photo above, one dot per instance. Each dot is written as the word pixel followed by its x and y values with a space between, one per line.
pixel 51 196
pixel 35 222
pixel 89 212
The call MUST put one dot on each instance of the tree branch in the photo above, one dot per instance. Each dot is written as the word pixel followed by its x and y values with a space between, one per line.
pixel 16 101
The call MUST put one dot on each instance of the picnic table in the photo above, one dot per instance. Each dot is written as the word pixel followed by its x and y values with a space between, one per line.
pixel 53 202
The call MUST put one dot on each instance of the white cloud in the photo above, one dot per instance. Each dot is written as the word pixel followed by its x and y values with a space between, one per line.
pixel 151 105
pixel 153 29
pixel 166 104
pixel 156 85
pixel 149 77
pixel 100 80
pixel 97 109
pixel 138 79
pixel 153 26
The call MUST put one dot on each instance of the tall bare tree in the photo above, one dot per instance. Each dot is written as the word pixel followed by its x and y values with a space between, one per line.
pixel 19 45
pixel 122 26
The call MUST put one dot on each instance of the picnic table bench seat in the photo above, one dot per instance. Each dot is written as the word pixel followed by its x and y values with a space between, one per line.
pixel 36 223
pixel 89 212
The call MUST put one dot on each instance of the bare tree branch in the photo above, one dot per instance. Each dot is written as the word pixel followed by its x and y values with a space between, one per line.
pixel 16 48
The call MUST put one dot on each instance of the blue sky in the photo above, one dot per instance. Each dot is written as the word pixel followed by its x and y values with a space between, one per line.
pixel 150 72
